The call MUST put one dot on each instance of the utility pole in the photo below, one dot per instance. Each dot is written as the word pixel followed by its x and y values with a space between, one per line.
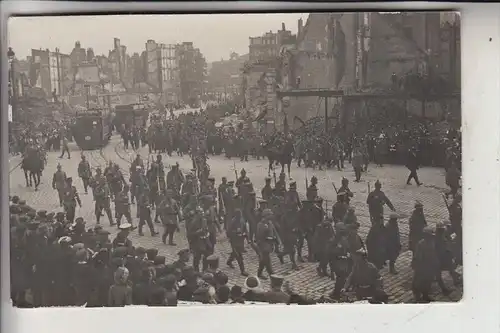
pixel 58 72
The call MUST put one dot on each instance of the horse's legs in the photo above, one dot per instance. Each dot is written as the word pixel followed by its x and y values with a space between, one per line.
pixel 26 176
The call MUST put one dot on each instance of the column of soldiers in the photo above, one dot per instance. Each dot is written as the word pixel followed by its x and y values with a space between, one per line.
pixel 282 223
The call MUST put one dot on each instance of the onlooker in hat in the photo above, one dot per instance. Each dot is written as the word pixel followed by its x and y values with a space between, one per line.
pixel 120 293
pixel 236 295
pixel 254 291
pixel 417 224
pixel 276 294
pixel 184 256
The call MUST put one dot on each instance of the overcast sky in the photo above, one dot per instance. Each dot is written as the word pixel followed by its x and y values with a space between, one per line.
pixel 216 35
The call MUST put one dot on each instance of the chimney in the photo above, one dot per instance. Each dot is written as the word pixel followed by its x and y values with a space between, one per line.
pixel 283 26
pixel 300 26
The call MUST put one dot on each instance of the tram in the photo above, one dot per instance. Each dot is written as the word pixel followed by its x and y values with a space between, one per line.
pixel 130 115
pixel 92 128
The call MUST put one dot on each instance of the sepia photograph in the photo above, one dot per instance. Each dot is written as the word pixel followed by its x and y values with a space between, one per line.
pixel 245 159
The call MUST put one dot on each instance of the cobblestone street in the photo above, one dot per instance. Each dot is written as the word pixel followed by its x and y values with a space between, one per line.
pixel 305 280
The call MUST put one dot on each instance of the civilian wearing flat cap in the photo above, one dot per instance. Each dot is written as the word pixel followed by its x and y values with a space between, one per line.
pixel 276 295
pixel 417 223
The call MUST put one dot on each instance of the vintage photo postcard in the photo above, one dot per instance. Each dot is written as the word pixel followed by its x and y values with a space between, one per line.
pixel 297 158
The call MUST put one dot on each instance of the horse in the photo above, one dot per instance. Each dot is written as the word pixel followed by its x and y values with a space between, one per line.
pixel 280 155
pixel 32 164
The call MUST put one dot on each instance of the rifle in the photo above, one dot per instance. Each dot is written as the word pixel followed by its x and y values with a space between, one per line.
pixel 307 183
pixel 369 190
pixel 235 172
pixel 445 202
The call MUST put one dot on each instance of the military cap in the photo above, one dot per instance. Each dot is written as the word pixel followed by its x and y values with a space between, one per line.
pixel 345 180
pixel 125 226
pixel 120 252
pixel 15 199
pixel 69 179
pixel 64 239
pixel 211 179
pixel 224 178
pixel 276 280
pixel 418 204
pixel 293 184
pixel 42 213
pixel 252 282
pixel 79 220
pixel 393 216
pixel 267 179
pixel 151 254
pixel 78 246
pixel 183 252
pixel 231 182
pixel 314 179
pixel 243 170
pixel 159 260
pixel 22 202
pixel 33 225
pixel 378 183
pixel 59 166
pixel 31 214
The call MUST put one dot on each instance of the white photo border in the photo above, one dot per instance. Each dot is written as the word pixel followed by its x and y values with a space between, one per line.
pixel 479 307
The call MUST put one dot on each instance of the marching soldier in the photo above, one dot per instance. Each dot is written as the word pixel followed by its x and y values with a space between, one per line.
pixel 417 224
pixel 266 240
pixel 65 148
pixel 175 179
pixel 312 190
pixel 267 190
pixel 199 238
pixel 339 257
pixel 280 187
pixel 169 213
pixel 71 198
pixel 97 179
pixel 241 181
pixel 366 280
pixel 237 233
pixel 339 209
pixel 144 210
pixel 289 225
pixel 122 206
pixel 84 173
pixel 376 201
pixel 323 237
pixel 59 183
pixel 212 219
pixel 311 216
pixel 161 171
pixel 357 163
pixel 229 202
pixel 102 201
pixel 220 195
pixel 345 188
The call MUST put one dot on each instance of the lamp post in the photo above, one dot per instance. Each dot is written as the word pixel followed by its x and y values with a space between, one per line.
pixel 13 100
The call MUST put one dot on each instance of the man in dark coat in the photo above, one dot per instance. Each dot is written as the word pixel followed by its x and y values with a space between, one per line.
pixel 392 242
pixel 412 164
